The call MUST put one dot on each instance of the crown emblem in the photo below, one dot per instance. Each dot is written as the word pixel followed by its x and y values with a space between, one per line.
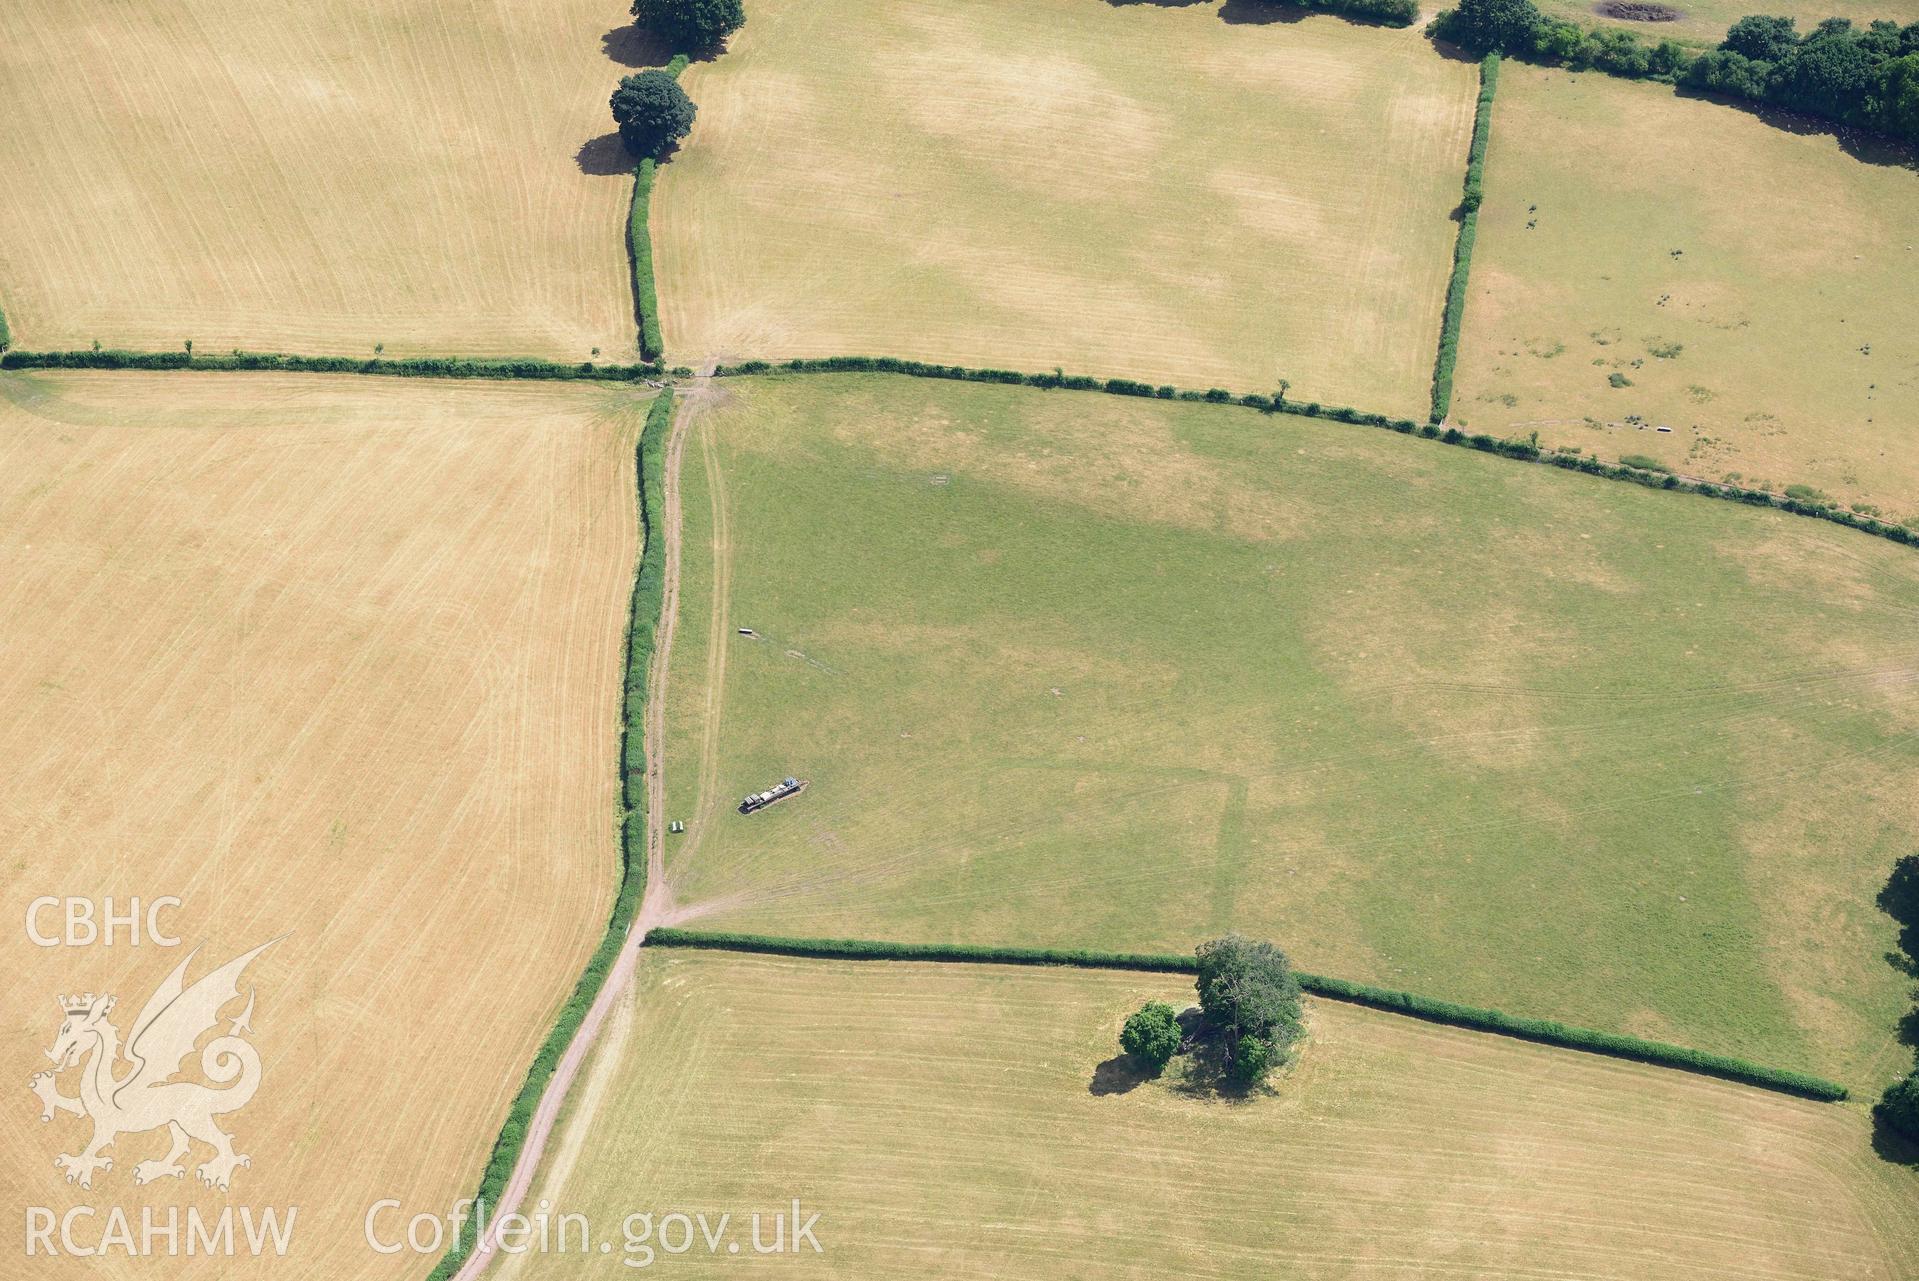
pixel 77 1004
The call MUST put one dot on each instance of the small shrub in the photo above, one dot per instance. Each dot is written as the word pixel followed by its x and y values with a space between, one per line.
pixel 1644 463
pixel 1618 379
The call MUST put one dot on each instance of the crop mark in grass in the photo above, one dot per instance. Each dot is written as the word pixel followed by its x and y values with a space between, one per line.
pixel 1229 854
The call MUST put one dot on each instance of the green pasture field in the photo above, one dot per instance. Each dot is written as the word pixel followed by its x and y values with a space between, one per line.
pixel 1753 285
pixel 976 1121
pixel 1207 193
pixel 1076 670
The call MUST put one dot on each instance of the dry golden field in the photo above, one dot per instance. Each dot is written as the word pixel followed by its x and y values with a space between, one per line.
pixel 965 1121
pixel 1142 190
pixel 1757 288
pixel 318 178
pixel 331 659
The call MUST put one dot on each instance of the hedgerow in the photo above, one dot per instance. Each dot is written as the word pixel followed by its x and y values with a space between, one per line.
pixel 1463 248
pixel 639 245
pixel 6 335
pixel 1388 13
pixel 642 626
pixel 1543 1031
pixel 1526 450
pixel 416 367
pixel 639 248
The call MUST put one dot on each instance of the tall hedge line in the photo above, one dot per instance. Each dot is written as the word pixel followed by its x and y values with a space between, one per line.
pixel 416 367
pixel 6 335
pixel 1463 247
pixel 641 630
pixel 639 248
pixel 1387 13
pixel 1543 1031
pixel 639 245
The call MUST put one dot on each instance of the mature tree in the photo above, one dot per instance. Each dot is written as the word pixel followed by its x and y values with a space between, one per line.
pixel 652 111
pixel 1828 74
pixel 1898 1107
pixel 1757 36
pixel 1896 105
pixel 1247 989
pixel 1152 1035
pixel 1900 897
pixel 690 26
pixel 1505 25
pixel 1254 1058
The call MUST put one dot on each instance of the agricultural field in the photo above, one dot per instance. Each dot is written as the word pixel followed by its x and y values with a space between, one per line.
pixel 1744 284
pixel 322 178
pixel 1078 670
pixel 961 1120
pixel 334 661
pixel 1050 183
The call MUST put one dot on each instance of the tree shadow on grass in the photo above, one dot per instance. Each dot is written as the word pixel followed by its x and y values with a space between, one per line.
pixel 605 157
pixel 1868 148
pixel 630 46
pixel 1117 1075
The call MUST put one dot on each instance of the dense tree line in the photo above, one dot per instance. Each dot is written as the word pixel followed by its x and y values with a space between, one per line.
pixel 1898 1107
pixel 1862 76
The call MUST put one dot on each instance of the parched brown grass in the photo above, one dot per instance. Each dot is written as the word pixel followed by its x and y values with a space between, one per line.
pixel 327 658
pixel 318 177
pixel 1172 193
pixel 1753 285
pixel 949 1121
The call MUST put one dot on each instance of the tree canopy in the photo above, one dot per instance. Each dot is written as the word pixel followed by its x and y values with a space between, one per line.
pixel 1152 1035
pixel 1248 990
pixel 652 112
pixel 691 26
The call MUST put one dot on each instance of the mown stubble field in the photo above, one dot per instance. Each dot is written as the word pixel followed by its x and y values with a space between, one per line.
pixel 330 659
pixel 967 1121
pixel 318 178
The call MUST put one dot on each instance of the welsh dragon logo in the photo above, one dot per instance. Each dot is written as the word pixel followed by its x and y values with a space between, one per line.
pixel 143 1096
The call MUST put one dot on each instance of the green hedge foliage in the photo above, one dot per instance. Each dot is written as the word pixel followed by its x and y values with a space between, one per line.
pixel 642 628
pixel 1387 13
pixel 1543 1031
pixel 6 335
pixel 639 247
pixel 1463 247
pixel 418 367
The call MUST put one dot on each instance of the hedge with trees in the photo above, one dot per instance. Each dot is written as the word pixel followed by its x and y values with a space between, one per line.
pixel 1543 1031
pixel 1473 194
pixel 1866 77
pixel 652 112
